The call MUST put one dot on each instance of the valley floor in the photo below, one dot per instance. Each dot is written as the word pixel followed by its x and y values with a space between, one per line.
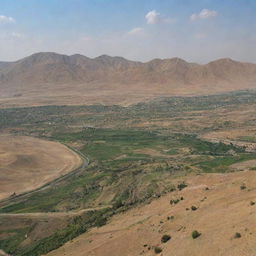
pixel 169 166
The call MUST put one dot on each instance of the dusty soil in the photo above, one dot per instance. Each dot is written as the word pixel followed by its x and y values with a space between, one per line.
pixel 27 163
pixel 222 210
pixel 230 134
pixel 52 214
pixel 245 165
pixel 233 136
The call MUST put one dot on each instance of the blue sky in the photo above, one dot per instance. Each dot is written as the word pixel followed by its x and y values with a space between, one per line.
pixel 196 30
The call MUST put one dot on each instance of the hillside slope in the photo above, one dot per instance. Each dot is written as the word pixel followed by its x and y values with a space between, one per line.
pixel 223 209
pixel 51 78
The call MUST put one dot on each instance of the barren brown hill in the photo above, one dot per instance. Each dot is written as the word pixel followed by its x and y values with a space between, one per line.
pixel 51 78
pixel 223 214
pixel 27 163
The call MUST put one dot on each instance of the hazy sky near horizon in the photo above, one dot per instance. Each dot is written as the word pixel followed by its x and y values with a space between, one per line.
pixel 195 30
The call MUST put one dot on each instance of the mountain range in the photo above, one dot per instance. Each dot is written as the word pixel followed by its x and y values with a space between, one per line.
pixel 51 78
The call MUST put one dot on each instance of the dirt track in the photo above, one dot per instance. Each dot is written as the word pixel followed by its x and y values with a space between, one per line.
pixel 27 163
pixel 222 211
pixel 52 214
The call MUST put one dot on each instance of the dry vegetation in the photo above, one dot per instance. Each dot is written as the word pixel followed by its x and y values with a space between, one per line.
pixel 27 163
pixel 222 211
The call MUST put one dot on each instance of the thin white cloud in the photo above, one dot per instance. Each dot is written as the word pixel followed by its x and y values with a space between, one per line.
pixel 6 19
pixel 204 14
pixel 136 31
pixel 153 17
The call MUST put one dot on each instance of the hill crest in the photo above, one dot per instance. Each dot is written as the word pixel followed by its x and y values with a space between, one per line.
pixel 113 80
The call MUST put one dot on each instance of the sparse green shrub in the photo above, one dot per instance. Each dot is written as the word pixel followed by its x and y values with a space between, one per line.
pixel 100 221
pixel 193 208
pixel 237 235
pixel 243 187
pixel 158 250
pixel 165 238
pixel 182 185
pixel 174 201
pixel 118 204
pixel 195 234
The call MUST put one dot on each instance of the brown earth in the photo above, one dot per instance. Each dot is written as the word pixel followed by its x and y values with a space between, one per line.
pixel 52 214
pixel 245 165
pixel 54 79
pixel 222 211
pixel 234 136
pixel 27 163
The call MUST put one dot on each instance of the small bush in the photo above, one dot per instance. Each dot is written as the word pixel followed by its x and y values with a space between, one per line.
pixel 252 203
pixel 172 189
pixel 237 235
pixel 118 204
pixel 182 185
pixel 243 187
pixel 193 208
pixel 174 201
pixel 158 250
pixel 165 238
pixel 195 234
pixel 100 221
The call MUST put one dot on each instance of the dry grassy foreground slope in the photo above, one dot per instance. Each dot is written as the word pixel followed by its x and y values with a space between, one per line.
pixel 54 79
pixel 223 210
pixel 27 163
